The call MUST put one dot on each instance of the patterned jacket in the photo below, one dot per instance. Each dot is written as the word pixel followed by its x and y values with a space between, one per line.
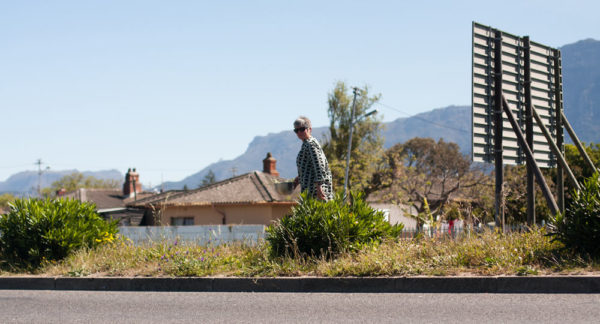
pixel 313 168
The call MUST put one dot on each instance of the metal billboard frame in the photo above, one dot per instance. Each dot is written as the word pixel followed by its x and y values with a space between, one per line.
pixel 515 54
pixel 510 70
pixel 513 75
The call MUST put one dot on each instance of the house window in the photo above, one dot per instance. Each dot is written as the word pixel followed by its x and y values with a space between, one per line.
pixel 178 221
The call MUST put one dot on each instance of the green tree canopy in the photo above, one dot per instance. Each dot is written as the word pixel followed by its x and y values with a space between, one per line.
pixel 423 169
pixel 208 179
pixel 367 142
pixel 5 199
pixel 576 162
pixel 77 180
pixel 514 193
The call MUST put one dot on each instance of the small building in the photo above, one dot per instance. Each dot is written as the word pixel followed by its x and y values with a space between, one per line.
pixel 396 214
pixel 112 203
pixel 251 198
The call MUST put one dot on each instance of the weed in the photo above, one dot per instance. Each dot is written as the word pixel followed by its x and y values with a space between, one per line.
pixel 488 253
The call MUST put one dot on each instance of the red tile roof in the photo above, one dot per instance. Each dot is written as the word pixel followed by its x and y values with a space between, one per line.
pixel 250 188
pixel 105 198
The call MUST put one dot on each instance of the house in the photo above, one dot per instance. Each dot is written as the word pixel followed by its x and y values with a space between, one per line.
pixel 251 198
pixel 112 203
pixel 397 213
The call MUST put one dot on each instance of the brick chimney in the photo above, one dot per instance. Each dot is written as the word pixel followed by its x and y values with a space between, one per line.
pixel 132 180
pixel 269 165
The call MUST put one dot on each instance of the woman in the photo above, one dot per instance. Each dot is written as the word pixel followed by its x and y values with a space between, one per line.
pixel 314 174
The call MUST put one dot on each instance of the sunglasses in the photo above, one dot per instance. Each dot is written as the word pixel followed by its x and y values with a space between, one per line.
pixel 300 129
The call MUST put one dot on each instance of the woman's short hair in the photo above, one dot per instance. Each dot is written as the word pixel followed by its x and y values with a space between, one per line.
pixel 302 121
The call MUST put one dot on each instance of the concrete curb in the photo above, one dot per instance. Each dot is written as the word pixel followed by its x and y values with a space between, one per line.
pixel 545 284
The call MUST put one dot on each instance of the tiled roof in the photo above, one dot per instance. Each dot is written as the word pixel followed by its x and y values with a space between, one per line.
pixel 157 197
pixel 105 198
pixel 250 188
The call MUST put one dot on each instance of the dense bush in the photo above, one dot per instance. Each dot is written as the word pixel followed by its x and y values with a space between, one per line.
pixel 579 228
pixel 35 230
pixel 317 228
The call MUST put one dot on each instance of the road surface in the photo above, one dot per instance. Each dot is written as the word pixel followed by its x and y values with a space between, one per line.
pixel 39 306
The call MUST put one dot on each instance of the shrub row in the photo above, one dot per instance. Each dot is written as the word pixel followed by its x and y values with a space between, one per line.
pixel 579 228
pixel 317 228
pixel 36 230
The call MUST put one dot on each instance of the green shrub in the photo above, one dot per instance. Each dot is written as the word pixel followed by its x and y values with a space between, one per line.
pixel 317 228
pixel 36 230
pixel 579 229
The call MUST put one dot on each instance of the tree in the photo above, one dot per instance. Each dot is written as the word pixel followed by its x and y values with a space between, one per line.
pixel 208 179
pixel 576 162
pixel 367 142
pixel 77 180
pixel 422 170
pixel 579 228
pixel 514 192
pixel 5 199
pixel 580 168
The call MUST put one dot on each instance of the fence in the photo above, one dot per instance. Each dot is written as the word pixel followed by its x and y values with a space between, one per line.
pixel 200 234
pixel 443 230
pixel 251 234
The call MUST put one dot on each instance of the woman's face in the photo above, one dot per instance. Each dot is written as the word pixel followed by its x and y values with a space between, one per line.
pixel 303 133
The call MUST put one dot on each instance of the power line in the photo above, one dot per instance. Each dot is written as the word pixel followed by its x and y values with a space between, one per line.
pixel 423 119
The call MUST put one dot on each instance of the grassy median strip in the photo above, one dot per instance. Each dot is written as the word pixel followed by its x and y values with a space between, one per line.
pixel 486 253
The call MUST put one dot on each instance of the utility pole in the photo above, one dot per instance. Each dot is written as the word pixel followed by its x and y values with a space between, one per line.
pixel 498 128
pixel 353 120
pixel 40 171
pixel 349 144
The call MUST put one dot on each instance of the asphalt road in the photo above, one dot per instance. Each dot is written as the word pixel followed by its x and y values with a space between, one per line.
pixel 43 306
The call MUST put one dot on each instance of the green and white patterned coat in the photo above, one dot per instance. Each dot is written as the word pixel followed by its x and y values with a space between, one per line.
pixel 313 169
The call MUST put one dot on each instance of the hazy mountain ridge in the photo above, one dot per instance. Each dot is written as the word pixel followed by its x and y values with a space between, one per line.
pixel 283 146
pixel 581 88
pixel 451 123
pixel 26 182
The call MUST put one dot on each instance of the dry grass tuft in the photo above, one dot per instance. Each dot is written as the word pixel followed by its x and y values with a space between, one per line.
pixel 475 254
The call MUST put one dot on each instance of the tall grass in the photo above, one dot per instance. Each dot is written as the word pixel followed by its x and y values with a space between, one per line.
pixel 487 253
pixel 484 254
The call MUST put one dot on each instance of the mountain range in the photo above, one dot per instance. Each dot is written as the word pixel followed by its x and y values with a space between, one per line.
pixel 26 182
pixel 581 97
pixel 581 88
pixel 451 123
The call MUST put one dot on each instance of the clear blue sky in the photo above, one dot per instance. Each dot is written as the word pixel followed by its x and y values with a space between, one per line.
pixel 169 87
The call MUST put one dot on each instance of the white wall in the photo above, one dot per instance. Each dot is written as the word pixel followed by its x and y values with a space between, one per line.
pixel 200 234
pixel 397 214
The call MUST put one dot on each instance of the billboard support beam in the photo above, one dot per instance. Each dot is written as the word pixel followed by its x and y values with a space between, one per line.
pixel 530 159
pixel 529 131
pixel 560 178
pixel 578 144
pixel 498 157
pixel 556 150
